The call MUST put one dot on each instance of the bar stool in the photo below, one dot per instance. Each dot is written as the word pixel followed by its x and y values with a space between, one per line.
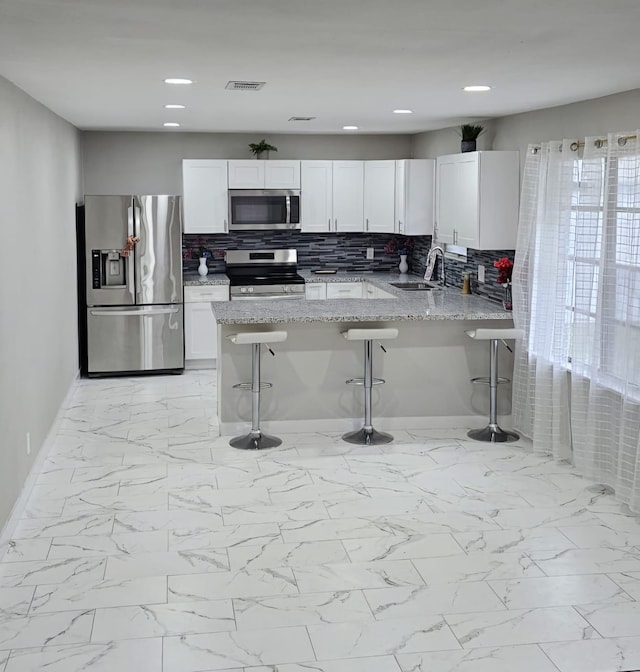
pixel 368 436
pixel 256 439
pixel 493 433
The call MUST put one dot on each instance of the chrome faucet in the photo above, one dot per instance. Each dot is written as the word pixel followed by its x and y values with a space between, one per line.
pixel 433 251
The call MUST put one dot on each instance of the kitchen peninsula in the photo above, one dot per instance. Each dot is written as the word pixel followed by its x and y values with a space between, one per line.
pixel 427 368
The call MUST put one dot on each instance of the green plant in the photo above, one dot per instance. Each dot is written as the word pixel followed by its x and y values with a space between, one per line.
pixel 262 146
pixel 470 131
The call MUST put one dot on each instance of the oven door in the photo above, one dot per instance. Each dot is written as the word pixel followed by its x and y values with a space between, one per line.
pixel 264 209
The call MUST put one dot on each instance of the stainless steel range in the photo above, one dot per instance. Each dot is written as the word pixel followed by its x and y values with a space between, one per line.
pixel 264 274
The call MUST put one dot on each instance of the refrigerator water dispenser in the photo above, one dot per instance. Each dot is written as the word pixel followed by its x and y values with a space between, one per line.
pixel 109 269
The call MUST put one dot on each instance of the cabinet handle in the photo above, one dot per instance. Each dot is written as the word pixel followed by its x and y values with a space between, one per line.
pixel 399 226
pixel 366 228
pixel 226 227
pixel 329 223
pixel 336 224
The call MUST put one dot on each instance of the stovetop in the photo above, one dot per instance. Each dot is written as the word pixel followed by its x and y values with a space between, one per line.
pixel 269 278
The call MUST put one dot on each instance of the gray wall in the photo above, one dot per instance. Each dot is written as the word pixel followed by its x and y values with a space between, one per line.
pixel 619 112
pixel 40 181
pixel 122 163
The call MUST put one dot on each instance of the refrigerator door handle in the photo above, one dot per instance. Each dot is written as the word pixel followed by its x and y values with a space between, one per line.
pixel 134 312
pixel 130 259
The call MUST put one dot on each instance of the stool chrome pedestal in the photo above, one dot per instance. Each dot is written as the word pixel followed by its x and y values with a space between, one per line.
pixel 368 436
pixel 493 433
pixel 256 439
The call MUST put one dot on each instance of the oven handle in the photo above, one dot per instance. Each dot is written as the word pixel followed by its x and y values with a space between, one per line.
pixel 288 204
pixel 261 297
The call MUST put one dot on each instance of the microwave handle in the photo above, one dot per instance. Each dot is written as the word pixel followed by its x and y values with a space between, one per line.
pixel 288 205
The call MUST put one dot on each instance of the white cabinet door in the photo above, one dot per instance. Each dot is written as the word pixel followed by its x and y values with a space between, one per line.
pixel 477 199
pixel 344 290
pixel 246 174
pixel 205 202
pixel 379 196
pixel 415 196
pixel 282 174
pixel 348 196
pixel 315 291
pixel 316 184
pixel 200 331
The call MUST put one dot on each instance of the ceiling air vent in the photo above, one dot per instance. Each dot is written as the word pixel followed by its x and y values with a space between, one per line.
pixel 244 86
pixel 301 118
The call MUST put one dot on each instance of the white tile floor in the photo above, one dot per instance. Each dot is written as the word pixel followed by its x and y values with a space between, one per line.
pixel 148 545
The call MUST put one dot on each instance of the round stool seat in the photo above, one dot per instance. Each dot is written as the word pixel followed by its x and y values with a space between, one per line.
pixel 492 334
pixel 373 334
pixel 252 337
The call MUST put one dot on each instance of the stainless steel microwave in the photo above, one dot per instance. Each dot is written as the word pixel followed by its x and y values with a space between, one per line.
pixel 264 209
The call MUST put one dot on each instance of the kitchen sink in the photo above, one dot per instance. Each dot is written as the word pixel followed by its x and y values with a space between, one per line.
pixel 415 286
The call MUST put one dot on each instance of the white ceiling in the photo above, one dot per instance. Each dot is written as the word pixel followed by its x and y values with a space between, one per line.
pixel 100 64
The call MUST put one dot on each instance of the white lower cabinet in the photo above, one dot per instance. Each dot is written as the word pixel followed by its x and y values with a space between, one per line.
pixel 344 290
pixel 317 290
pixel 371 291
pixel 200 327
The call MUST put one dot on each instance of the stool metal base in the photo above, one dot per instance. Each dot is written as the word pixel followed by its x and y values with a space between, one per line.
pixel 367 436
pixel 255 441
pixel 492 434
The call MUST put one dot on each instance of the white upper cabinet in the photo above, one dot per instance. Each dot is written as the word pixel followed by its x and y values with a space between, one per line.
pixel 260 174
pixel 246 174
pixel 316 184
pixel 282 174
pixel 415 196
pixel 204 185
pixel 348 196
pixel 379 196
pixel 477 198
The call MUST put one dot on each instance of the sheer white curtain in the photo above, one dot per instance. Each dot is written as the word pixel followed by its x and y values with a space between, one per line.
pixel 577 296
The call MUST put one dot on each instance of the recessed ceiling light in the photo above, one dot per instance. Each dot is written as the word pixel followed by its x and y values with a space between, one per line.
pixel 171 124
pixel 478 87
pixel 174 107
pixel 349 128
pixel 178 80
pixel 403 111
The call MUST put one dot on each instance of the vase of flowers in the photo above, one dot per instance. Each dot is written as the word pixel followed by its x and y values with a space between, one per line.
pixel 505 270
pixel 203 269
pixel 400 245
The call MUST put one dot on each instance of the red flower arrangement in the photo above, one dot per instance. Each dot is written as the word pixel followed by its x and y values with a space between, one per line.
pixel 505 269
pixel 399 245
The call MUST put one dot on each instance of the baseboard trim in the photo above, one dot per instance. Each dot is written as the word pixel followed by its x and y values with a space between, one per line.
pixel 348 424
pixel 191 364
pixel 20 504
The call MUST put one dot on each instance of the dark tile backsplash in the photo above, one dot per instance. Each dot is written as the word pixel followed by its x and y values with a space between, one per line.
pixel 343 251
pixel 346 252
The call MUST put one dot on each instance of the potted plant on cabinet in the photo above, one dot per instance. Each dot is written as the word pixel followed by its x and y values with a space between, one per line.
pixel 469 134
pixel 260 148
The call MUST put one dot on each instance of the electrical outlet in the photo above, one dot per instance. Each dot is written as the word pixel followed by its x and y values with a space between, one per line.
pixel 370 253
pixel 480 273
pixel 28 443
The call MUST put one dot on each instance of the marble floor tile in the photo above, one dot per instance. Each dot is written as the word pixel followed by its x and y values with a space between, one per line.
pixel 375 664
pixel 15 601
pixel 22 550
pixel 321 530
pixel 319 492
pixel 595 655
pixel 218 651
pixel 600 536
pixel 55 571
pixel 114 544
pixel 223 585
pixel 355 576
pixel 224 537
pixel 162 620
pixel 388 506
pixel 381 638
pixel 440 523
pixel 71 627
pixel 613 620
pixel 120 567
pixel 476 567
pixel 539 517
pixel 526 658
pixel 587 561
pixel 396 547
pixel 110 504
pixel 274 513
pixel 174 519
pixel 629 582
pixel 558 591
pixel 446 598
pixel 308 609
pixel 103 475
pixel 302 554
pixel 131 655
pixel 93 595
pixel 516 626
pixel 524 541
pixel 206 497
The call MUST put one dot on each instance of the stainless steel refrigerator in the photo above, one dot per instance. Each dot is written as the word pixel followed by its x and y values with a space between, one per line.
pixel 133 247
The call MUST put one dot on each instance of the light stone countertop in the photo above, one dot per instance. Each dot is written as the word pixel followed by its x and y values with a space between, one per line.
pixel 439 304
pixel 196 280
